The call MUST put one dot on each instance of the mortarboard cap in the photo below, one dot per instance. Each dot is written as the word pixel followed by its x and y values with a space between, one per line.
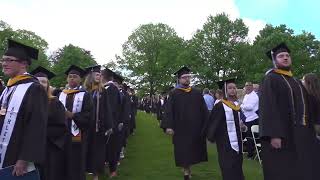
pixel 119 79
pixel 182 71
pixel 108 72
pixel 282 47
pixel 21 51
pixel 73 69
pixel 42 72
pixel 224 82
pixel 95 68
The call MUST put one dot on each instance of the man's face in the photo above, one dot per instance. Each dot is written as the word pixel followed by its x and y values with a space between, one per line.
pixel 73 80
pixel 43 81
pixel 11 66
pixel 185 79
pixel 231 89
pixel 248 88
pixel 283 60
pixel 97 77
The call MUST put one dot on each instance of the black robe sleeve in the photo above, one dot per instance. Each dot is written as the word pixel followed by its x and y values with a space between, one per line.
pixel 168 119
pixel 113 96
pixel 84 118
pixel 217 114
pixel 108 118
pixel 57 127
pixel 35 114
pixel 271 123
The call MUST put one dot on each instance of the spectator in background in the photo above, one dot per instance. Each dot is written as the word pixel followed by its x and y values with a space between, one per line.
pixel 218 96
pixel 256 88
pixel 208 99
pixel 249 107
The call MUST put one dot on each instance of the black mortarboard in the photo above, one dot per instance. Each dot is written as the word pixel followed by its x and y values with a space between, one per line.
pixel 282 47
pixel 42 72
pixel 95 68
pixel 119 79
pixel 108 72
pixel 182 71
pixel 21 51
pixel 224 82
pixel 75 70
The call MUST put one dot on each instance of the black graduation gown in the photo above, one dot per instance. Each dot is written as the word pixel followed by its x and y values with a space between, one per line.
pixel 112 151
pixel 97 140
pixel 230 161
pixel 186 114
pixel 29 134
pixel 55 165
pixel 125 115
pixel 76 151
pixel 134 106
pixel 281 115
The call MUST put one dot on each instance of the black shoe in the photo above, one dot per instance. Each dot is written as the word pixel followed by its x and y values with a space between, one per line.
pixel 186 177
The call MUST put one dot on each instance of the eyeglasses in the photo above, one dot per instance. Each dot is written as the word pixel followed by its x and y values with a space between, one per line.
pixel 8 60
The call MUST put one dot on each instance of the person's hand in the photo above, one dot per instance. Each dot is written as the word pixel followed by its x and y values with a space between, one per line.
pixel 20 168
pixel 276 143
pixel 120 126
pixel 169 131
pixel 108 132
pixel 69 114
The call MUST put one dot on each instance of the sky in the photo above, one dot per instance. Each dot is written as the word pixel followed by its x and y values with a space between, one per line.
pixel 102 26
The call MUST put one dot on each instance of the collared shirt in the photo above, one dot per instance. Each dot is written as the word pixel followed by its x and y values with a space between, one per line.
pixel 250 106
pixel 209 101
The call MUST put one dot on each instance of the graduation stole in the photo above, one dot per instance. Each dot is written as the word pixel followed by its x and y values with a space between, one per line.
pixel 18 78
pixel 187 90
pixel 70 91
pixel 77 107
pixel 283 72
pixel 11 117
pixel 229 107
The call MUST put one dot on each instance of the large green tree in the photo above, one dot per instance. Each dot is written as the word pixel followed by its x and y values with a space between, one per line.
pixel 218 47
pixel 150 56
pixel 66 56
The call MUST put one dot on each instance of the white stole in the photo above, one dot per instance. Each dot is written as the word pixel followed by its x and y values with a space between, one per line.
pixel 77 107
pixel 231 127
pixel 11 117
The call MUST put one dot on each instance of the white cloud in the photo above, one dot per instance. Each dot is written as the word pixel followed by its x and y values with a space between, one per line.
pixel 102 26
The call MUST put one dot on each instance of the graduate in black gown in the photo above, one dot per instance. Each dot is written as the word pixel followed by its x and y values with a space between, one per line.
pixel 134 110
pixel 185 116
pixel 79 113
pixel 24 112
pixel 224 129
pixel 101 128
pixel 54 166
pixel 285 123
pixel 113 94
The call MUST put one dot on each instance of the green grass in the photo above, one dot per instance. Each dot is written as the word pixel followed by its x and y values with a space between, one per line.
pixel 149 156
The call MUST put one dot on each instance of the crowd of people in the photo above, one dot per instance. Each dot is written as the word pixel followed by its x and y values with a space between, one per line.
pixel 81 130
pixel 286 110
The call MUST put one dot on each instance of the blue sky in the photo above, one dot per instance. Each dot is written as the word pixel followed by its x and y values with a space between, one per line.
pixel 296 14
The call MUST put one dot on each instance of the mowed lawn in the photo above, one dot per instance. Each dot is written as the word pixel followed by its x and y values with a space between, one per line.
pixel 149 156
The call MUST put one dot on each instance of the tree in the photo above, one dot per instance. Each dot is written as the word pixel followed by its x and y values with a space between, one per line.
pixel 217 46
pixel 66 56
pixel 150 54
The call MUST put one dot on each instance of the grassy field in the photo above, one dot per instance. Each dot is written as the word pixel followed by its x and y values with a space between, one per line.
pixel 149 156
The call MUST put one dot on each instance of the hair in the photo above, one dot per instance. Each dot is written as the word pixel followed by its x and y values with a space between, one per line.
pixel 206 91
pixel 49 91
pixel 89 83
pixel 312 85
pixel 219 92
pixel 106 75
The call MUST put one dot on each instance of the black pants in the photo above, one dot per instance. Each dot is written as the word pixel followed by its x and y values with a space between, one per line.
pixel 250 143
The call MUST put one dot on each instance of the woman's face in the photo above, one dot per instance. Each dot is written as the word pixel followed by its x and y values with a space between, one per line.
pixel 231 89
pixel 43 81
